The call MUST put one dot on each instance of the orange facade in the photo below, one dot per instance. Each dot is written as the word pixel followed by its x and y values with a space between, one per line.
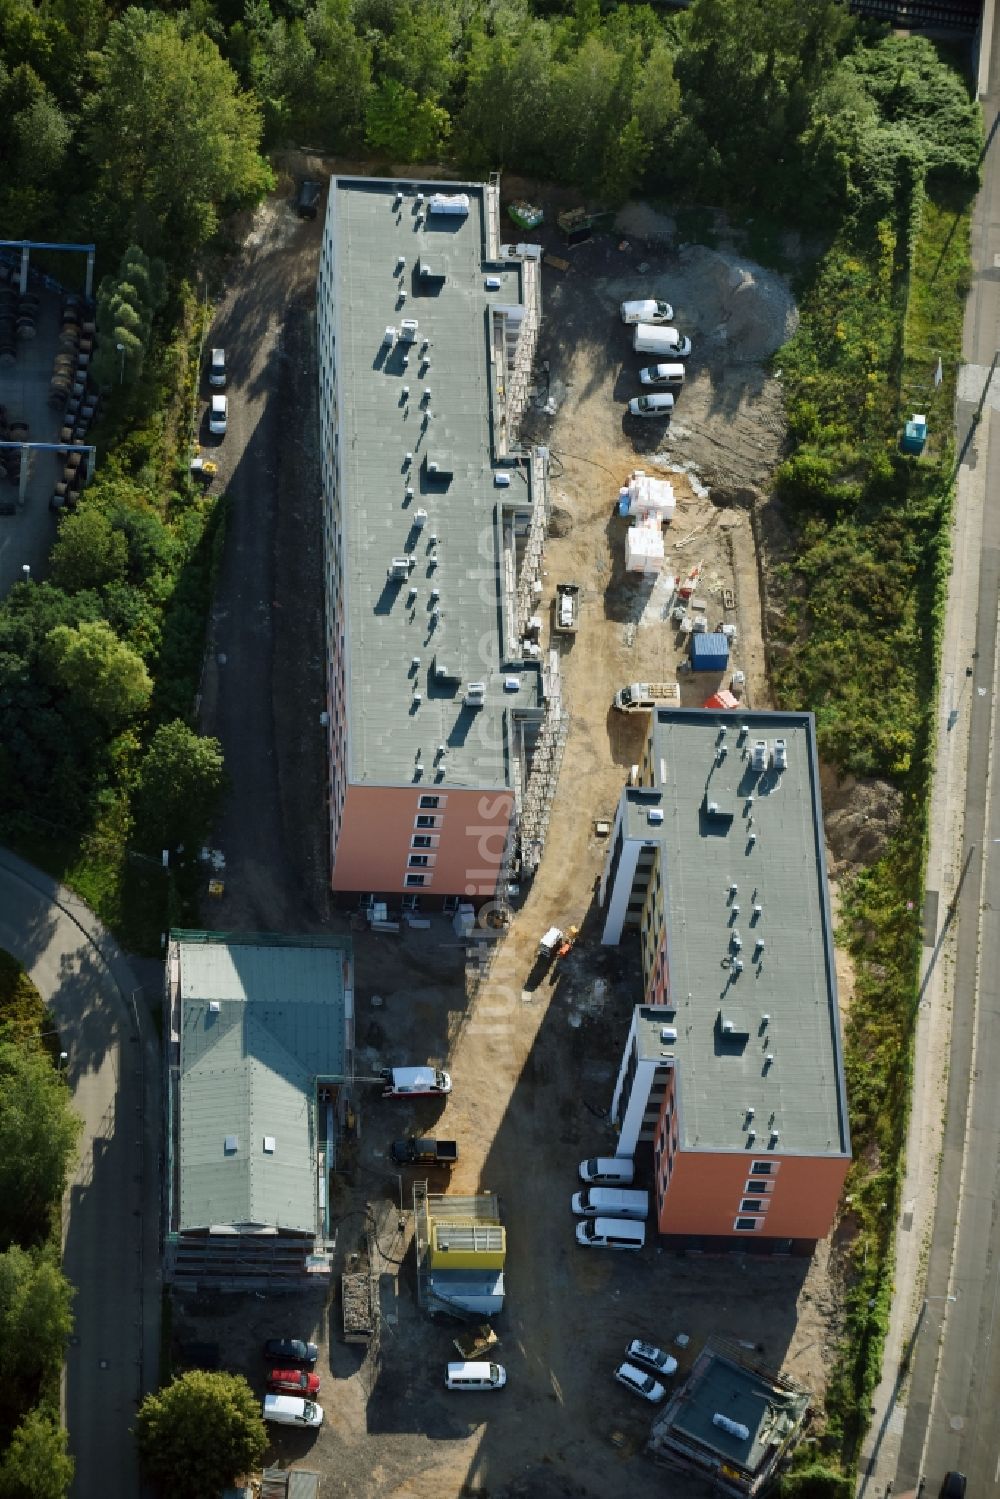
pixel 419 841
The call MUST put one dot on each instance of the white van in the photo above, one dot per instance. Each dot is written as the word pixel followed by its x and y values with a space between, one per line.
pixel 649 311
pixel 611 1202
pixel 481 1376
pixel 610 1233
pixel 662 374
pixel 658 403
pixel 607 1171
pixel 414 1082
pixel 290 1410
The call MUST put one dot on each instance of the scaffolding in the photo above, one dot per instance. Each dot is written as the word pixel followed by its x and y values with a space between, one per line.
pixel 531 561
pixel 543 775
pixel 521 342
pixel 493 217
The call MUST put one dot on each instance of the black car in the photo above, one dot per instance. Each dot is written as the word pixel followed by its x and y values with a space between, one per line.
pixel 307 198
pixel 953 1486
pixel 286 1353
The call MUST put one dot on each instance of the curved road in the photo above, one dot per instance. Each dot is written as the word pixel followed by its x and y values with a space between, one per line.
pixel 111 1209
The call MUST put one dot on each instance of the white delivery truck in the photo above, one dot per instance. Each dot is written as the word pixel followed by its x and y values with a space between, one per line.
pixel 651 311
pixel 639 697
pixel 664 341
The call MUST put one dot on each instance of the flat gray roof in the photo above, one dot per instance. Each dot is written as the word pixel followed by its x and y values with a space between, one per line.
pixel 727 825
pixel 260 1020
pixel 393 644
pixel 720 1386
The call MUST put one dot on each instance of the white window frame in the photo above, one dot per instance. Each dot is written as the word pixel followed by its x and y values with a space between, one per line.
pixel 417 879
pixel 744 1224
pixel 764 1168
pixel 754 1182
pixel 426 822
pixel 431 801
pixel 757 1205
pixel 433 839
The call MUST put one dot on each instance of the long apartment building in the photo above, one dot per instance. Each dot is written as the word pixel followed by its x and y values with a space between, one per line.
pixel 433 519
pixel 732 1076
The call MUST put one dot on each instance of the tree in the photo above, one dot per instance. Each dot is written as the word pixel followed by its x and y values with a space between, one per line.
pixel 181 779
pixel 38 1134
pixel 99 671
pixel 36 1464
pixel 88 551
pixel 35 1317
pixel 404 127
pixel 126 304
pixel 172 139
pixel 200 1433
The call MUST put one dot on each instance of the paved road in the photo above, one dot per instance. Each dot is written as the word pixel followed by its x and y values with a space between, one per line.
pixel 111 1209
pixel 955 1386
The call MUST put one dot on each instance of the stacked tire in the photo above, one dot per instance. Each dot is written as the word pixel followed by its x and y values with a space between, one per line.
pixel 8 325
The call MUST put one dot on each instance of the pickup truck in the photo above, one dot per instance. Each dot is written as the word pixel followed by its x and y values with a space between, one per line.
pixel 414 1152
pixel 567 608
pixel 639 697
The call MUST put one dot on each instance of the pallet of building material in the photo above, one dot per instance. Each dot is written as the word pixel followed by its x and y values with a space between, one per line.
pixel 556 262
pixel 358 1306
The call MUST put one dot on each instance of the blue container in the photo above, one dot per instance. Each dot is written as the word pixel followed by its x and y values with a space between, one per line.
pixel 709 652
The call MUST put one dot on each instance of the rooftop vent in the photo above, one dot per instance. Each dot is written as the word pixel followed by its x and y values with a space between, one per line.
pixel 668 1034
pixel 475 694
pixel 501 481
pixel 214 1008
pixel 388 338
pixel 232 1144
pixel 493 283
pixel 270 1143
pixel 408 328
pixel 655 814
pixel 400 568
pixel 419 516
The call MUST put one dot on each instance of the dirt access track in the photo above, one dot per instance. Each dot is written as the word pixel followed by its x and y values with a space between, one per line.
pixel 533 1062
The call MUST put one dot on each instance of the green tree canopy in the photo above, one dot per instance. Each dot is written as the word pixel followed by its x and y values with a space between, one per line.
pixel 200 1433
pixel 38 1134
pixel 181 778
pixel 172 138
pixel 99 671
pixel 88 551
pixel 36 1464
pixel 404 126
pixel 35 1317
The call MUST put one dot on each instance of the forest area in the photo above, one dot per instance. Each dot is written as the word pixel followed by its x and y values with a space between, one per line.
pixel 146 130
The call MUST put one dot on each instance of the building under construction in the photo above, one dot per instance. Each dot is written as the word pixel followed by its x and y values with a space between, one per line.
pixel 445 724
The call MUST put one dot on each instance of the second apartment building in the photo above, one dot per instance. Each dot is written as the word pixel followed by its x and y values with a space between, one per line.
pixel 436 692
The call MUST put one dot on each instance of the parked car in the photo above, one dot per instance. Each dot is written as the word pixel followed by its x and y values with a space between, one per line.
pixel 307 198
pixel 639 1382
pixel 661 403
pixel 413 1082
pixel 218 416
pixel 288 1410
pixel 293 1382
pixel 217 368
pixel 416 1152
pixel 611 1202
pixel 607 1171
pixel 475 1376
pixel 648 1356
pixel 662 374
pixel 282 1353
pixel 652 310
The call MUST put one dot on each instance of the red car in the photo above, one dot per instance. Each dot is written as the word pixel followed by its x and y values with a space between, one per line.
pixel 293 1382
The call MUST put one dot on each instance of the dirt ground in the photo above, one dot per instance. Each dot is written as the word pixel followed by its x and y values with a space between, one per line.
pixel 534 1063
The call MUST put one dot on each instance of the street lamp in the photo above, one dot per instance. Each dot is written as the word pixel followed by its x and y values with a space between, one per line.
pixel 63 1059
pixel 121 370
pixel 26 570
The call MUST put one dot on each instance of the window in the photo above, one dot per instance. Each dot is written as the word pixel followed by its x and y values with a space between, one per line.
pixel 748 1225
pixel 421 840
pixel 752 1205
pixel 427 822
pixel 759 1186
pixel 418 861
pixel 430 801
pixel 416 879
pixel 764 1168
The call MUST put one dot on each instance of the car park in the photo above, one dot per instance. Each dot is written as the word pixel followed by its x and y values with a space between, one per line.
pixel 639 1382
pixel 289 1410
pixel 290 1353
pixel 648 1356
pixel 662 374
pixel 217 368
pixel 307 198
pixel 414 1082
pixel 607 1171
pixel 293 1382
pixel 660 403
pixel 218 416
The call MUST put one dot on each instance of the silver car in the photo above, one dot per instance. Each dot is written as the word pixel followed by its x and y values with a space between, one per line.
pixel 639 1382
pixel 649 1356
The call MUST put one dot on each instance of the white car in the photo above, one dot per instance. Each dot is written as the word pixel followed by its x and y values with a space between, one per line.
pixel 648 1356
pixel 662 374
pixel 414 1082
pixel 639 1382
pixel 649 311
pixel 659 404
pixel 218 415
pixel 607 1171
pixel 217 369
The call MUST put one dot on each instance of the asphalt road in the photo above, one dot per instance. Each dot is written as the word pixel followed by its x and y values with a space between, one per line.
pixel 950 1419
pixel 111 1208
